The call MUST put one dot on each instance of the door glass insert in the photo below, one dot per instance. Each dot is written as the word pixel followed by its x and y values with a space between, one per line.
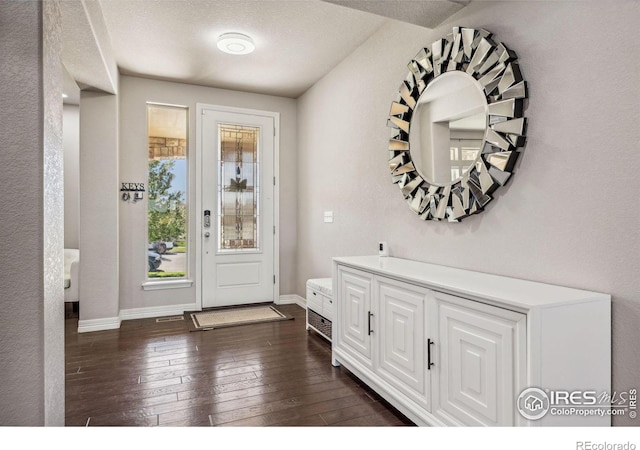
pixel 238 188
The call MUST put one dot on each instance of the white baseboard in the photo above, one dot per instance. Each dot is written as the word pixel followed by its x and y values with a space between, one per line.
pixel 157 311
pixel 111 323
pixel 292 299
pixel 108 323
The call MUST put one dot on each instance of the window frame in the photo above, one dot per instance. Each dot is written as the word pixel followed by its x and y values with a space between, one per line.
pixel 156 283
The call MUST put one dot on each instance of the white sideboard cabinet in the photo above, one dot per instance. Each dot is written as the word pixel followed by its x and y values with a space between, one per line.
pixel 453 347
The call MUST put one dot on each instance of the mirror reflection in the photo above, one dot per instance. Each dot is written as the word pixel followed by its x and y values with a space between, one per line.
pixel 447 127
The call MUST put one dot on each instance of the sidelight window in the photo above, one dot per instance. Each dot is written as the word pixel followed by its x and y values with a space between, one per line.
pixel 167 210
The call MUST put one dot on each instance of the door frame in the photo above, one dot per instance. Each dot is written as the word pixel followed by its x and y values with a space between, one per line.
pixel 200 107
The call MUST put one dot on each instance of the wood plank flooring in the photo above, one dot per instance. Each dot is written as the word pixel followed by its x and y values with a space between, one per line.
pixel 161 374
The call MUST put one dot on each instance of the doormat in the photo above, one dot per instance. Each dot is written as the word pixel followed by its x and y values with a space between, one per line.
pixel 230 317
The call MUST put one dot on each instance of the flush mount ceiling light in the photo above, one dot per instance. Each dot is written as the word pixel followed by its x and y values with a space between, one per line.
pixel 236 44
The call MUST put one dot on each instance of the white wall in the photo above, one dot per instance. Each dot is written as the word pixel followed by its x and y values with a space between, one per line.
pixel 71 144
pixel 134 95
pixel 569 215
pixel 99 197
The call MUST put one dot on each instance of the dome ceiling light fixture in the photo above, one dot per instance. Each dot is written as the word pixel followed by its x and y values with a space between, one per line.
pixel 236 44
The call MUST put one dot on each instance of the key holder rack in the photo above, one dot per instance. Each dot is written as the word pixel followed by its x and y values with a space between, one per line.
pixel 132 192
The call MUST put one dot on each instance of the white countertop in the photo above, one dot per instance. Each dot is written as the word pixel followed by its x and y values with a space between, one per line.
pixel 502 291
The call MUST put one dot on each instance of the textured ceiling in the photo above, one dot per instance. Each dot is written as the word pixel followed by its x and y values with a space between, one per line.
pixel 426 13
pixel 86 47
pixel 297 41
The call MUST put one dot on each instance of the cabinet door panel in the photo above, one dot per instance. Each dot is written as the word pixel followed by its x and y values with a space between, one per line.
pixel 354 308
pixel 479 352
pixel 400 337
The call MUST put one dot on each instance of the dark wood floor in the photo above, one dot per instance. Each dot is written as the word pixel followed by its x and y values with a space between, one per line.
pixel 161 374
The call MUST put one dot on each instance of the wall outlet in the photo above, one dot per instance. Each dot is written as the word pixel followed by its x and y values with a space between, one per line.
pixel 383 249
pixel 328 216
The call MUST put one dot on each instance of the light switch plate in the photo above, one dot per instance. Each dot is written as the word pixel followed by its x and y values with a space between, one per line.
pixel 328 216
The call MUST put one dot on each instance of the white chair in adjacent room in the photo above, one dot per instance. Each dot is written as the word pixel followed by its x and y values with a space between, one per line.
pixel 71 267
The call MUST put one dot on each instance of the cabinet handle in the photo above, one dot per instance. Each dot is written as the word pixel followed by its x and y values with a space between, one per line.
pixel 369 316
pixel 429 363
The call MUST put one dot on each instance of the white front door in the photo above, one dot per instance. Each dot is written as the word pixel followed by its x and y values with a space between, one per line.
pixel 237 201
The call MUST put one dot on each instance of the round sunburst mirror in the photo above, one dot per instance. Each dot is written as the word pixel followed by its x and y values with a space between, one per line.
pixel 457 125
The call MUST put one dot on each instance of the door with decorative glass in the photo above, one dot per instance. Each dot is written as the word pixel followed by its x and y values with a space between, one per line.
pixel 238 227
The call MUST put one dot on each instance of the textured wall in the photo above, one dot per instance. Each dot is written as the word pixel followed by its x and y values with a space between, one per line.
pixel 31 325
pixel 53 218
pixel 21 349
pixel 568 216
pixel 134 93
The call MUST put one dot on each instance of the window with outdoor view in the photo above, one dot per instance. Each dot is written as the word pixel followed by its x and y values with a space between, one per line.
pixel 167 191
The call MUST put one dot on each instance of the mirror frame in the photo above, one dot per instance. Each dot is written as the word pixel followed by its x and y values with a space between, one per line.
pixel 497 70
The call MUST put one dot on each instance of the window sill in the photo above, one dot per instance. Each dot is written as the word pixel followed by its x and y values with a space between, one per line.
pixel 166 284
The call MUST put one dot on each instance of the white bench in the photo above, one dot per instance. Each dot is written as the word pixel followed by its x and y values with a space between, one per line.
pixel 71 267
pixel 320 306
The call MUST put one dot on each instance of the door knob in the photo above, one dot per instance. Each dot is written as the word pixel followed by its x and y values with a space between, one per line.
pixel 207 234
